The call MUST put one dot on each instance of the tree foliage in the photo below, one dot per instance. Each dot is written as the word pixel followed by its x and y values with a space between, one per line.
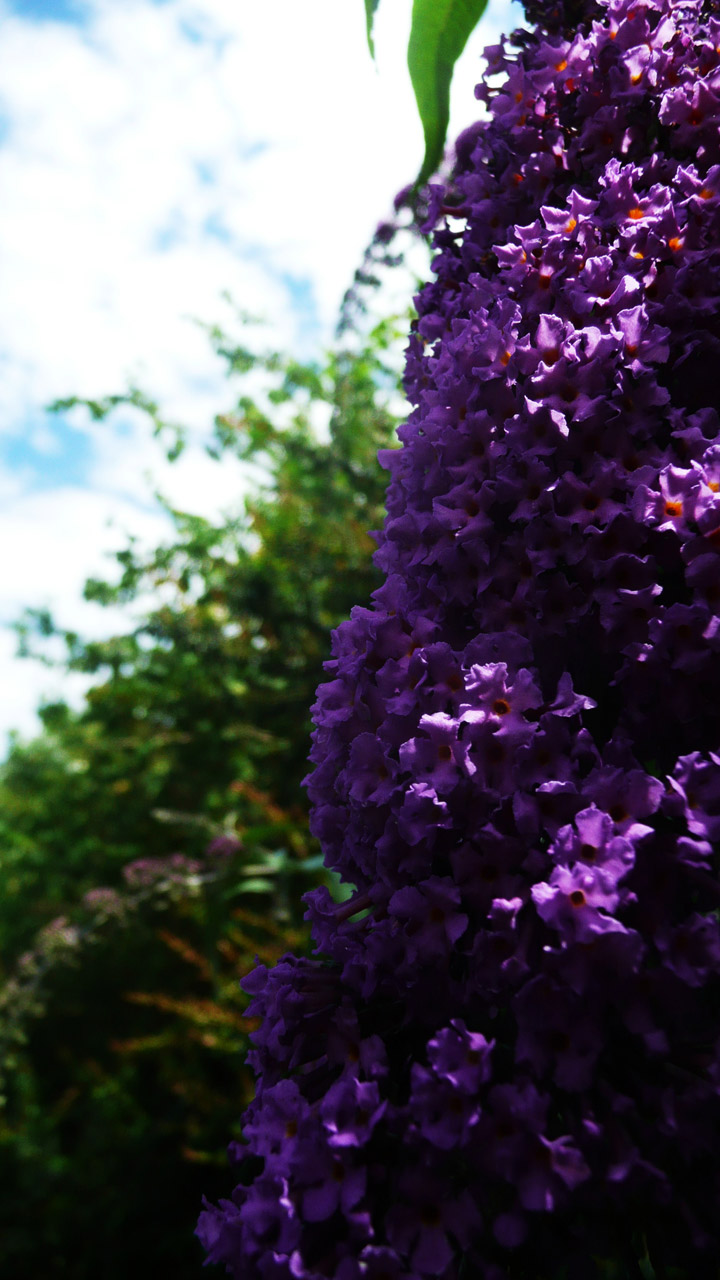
pixel 155 841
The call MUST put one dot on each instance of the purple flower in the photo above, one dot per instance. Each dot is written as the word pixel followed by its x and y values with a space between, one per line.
pixel 219 1230
pixel 440 757
pixel 551 1166
pixel 328 1182
pixel 591 841
pixel 692 949
pixel 460 1056
pixel 440 1113
pixel 223 847
pixel 626 795
pixel 273 1124
pixel 498 700
pixel 696 783
pixel 350 1110
pixel 174 869
pixel 370 771
pixel 434 922
pixel 516 764
pixel 576 901
pixel 673 508
pixel 557 1033
pixel 425 1222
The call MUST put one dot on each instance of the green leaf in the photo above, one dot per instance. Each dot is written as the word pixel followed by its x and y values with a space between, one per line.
pixel 438 35
pixel 370 7
pixel 255 884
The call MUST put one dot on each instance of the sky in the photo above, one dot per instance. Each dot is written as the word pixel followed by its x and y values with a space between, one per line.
pixel 156 155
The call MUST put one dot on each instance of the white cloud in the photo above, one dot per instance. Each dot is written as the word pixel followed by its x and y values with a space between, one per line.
pixel 155 156
pixel 52 541
pixel 115 130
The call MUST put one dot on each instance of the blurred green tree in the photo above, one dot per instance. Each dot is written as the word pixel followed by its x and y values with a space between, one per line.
pixel 122 1036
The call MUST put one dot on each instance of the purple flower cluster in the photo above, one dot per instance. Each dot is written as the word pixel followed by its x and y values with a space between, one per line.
pixel 144 872
pixel 505 1057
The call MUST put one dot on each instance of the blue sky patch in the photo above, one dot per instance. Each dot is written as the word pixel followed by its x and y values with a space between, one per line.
pixel 251 150
pixel 302 294
pixel 171 234
pixel 192 31
pixel 49 453
pixel 215 227
pixel 74 11
pixel 205 173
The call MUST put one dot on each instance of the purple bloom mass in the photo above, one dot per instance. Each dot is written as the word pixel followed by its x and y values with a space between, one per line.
pixel 504 1059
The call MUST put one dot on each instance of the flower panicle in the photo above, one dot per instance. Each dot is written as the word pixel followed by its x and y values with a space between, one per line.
pixel 507 1037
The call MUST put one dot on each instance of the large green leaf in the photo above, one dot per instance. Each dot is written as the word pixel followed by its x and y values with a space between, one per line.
pixel 370 7
pixel 439 33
